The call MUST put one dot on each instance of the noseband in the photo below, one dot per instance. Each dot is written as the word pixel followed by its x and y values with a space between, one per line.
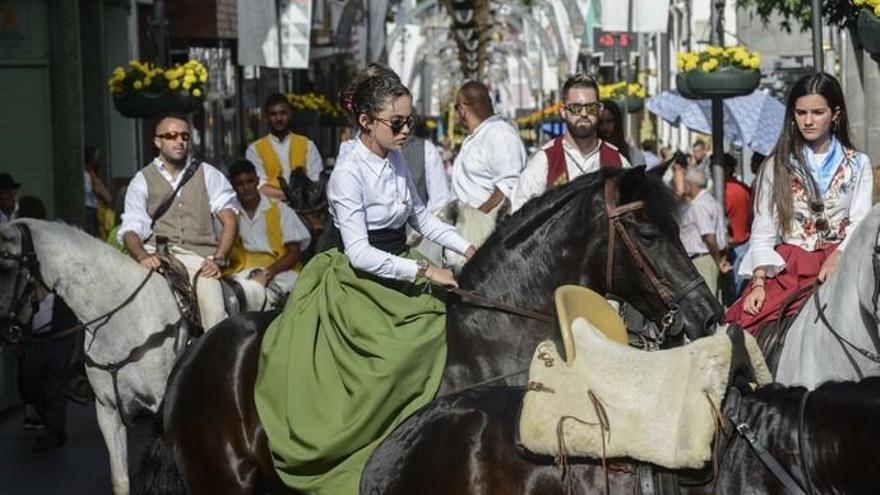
pixel 615 228
pixel 29 270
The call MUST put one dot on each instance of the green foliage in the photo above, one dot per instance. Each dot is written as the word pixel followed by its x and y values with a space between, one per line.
pixel 798 13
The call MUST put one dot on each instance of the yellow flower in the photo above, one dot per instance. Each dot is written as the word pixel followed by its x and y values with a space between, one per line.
pixel 186 84
pixel 197 92
pixel 714 51
pixel 138 85
pixel 174 84
pixel 203 77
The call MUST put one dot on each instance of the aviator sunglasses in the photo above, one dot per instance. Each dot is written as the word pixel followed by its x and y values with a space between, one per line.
pixel 396 123
pixel 172 136
pixel 576 108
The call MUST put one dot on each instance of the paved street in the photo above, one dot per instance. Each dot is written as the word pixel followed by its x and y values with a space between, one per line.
pixel 79 467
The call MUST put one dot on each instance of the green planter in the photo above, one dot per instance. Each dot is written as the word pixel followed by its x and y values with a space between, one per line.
pixel 305 118
pixel 631 104
pixel 681 85
pixel 152 105
pixel 725 82
pixel 868 27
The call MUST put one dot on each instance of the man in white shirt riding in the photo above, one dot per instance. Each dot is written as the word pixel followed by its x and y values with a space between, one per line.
pixel 280 152
pixel 273 237
pixel 488 165
pixel 577 152
pixel 173 201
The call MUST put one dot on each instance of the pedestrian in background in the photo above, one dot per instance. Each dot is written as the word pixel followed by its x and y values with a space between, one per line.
pixel 738 206
pixel 611 130
pixel 8 202
pixel 703 230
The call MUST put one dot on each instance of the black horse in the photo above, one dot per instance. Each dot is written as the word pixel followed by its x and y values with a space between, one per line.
pixel 466 444
pixel 572 235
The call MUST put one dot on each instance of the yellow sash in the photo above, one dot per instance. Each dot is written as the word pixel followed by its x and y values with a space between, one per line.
pixel 299 147
pixel 241 259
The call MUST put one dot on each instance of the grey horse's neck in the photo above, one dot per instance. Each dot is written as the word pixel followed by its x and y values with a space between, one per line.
pixel 94 279
pixel 812 354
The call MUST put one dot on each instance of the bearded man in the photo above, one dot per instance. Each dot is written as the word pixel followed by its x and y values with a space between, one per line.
pixel 577 152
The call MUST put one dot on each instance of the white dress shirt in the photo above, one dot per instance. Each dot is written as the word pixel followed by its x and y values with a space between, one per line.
pixel 436 180
pixel 314 164
pixel 765 233
pixel 367 192
pixel 255 234
pixel 12 216
pixel 533 181
pixel 493 156
pixel 704 216
pixel 136 218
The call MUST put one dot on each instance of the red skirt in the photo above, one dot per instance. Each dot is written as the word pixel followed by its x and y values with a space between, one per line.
pixel 801 270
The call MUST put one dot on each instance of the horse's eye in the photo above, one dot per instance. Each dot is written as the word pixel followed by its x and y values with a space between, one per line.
pixel 649 237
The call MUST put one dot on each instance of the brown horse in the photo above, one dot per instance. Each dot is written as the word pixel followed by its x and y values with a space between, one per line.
pixel 575 234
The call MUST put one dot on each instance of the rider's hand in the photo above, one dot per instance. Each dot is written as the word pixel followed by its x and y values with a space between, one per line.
pixel 755 300
pixel 150 262
pixel 829 266
pixel 209 269
pixel 441 276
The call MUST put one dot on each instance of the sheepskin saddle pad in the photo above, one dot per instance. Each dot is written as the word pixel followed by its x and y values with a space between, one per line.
pixel 615 401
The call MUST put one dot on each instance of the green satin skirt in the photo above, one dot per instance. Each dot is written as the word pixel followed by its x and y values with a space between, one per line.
pixel 348 360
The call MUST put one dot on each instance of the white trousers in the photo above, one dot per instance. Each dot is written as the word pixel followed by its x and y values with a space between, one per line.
pixel 208 291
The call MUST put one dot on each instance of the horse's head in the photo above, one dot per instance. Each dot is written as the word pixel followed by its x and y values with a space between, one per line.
pixel 20 282
pixel 645 263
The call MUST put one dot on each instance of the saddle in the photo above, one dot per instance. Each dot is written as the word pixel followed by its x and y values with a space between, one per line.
pixel 612 401
pixel 184 293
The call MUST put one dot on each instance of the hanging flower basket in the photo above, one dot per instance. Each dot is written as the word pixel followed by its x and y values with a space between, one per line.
pixel 868 27
pixel 151 105
pixel 723 83
pixel 718 72
pixel 681 85
pixel 305 118
pixel 631 104
pixel 629 97
pixel 146 91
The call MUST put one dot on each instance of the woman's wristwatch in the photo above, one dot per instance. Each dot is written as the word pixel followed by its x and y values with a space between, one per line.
pixel 423 266
pixel 220 262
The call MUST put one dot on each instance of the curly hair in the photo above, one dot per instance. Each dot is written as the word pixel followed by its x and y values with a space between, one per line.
pixel 371 90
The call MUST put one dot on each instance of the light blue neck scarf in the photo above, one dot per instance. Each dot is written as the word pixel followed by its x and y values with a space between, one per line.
pixel 824 171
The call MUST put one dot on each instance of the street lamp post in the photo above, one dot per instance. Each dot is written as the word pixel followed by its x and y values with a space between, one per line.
pixel 718 176
pixel 818 55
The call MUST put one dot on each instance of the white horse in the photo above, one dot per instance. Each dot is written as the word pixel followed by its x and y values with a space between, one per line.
pixel 94 279
pixel 812 354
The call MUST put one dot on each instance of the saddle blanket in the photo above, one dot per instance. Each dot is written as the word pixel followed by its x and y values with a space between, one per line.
pixel 657 406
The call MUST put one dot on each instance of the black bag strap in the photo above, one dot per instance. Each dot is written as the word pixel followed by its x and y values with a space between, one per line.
pixel 188 172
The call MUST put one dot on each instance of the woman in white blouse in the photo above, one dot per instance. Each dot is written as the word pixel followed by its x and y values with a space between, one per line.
pixel 361 343
pixel 811 193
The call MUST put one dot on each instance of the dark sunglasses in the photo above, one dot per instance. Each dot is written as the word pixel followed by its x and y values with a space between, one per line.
pixel 818 210
pixel 576 108
pixel 172 136
pixel 396 124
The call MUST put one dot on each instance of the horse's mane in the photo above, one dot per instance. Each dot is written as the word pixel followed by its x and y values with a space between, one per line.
pixel 72 236
pixel 830 396
pixel 661 207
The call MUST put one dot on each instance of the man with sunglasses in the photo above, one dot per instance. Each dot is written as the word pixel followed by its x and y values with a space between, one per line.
pixel 171 204
pixel 577 152
pixel 280 152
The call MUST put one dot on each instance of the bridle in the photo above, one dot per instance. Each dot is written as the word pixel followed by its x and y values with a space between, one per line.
pixel 671 319
pixel 28 282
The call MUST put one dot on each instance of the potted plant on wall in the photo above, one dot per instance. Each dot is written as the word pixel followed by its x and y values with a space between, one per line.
pixel 314 108
pixel 147 91
pixel 629 96
pixel 718 72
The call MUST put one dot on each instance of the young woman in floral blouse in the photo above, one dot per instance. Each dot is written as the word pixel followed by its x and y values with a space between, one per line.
pixel 811 193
